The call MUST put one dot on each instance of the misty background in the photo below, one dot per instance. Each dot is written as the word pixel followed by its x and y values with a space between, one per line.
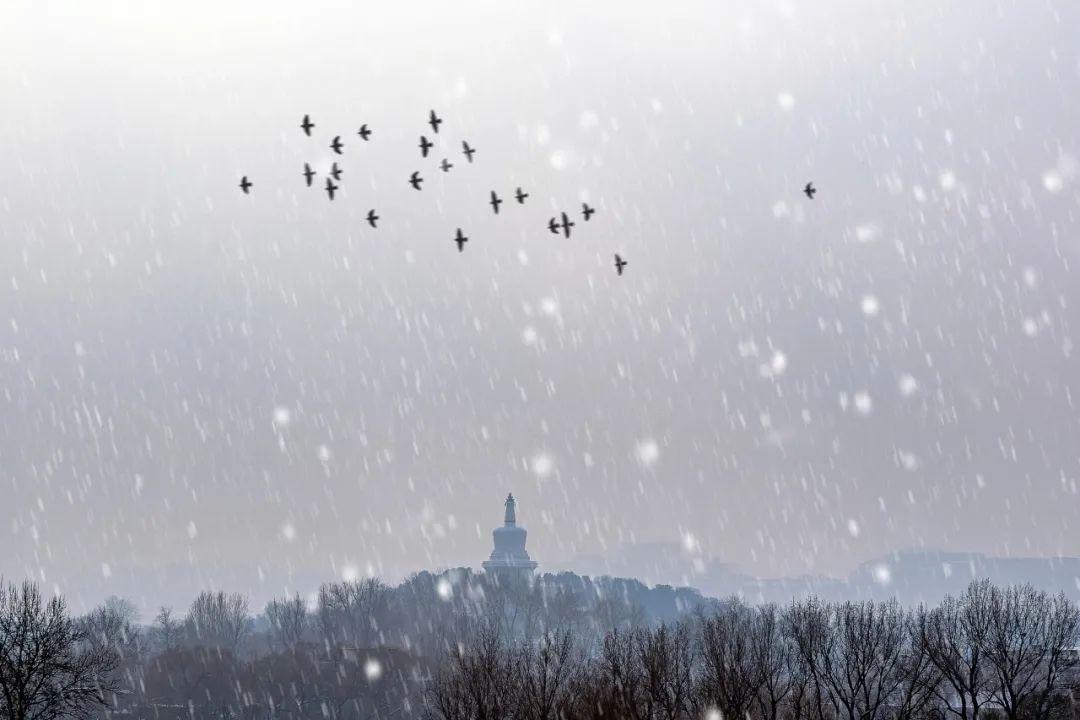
pixel 259 393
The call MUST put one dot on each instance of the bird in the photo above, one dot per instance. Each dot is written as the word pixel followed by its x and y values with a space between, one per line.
pixel 434 121
pixel 424 146
pixel 245 184
pixel 495 202
pixel 587 211
pixel 330 188
pixel 460 239
pixel 810 190
pixel 307 125
pixel 364 133
pixel 446 165
pixel 566 225
pixel 415 180
pixel 336 145
pixel 308 173
pixel 553 226
pixel 372 218
pixel 335 172
pixel 619 263
pixel 520 196
pixel 467 151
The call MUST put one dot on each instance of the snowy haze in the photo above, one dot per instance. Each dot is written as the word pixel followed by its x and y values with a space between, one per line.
pixel 259 393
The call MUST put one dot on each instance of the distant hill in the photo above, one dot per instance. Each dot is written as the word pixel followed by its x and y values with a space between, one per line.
pixel 911 576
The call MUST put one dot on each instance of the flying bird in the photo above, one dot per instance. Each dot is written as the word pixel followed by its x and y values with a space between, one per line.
pixel 364 133
pixel 307 125
pixel 335 172
pixel 460 239
pixel 336 145
pixel 415 180
pixel 810 190
pixel 495 202
pixel 566 225
pixel 520 195
pixel 308 174
pixel 587 211
pixel 446 165
pixel 330 188
pixel 553 226
pixel 424 146
pixel 245 184
pixel 619 263
pixel 467 151
pixel 372 218
pixel 434 121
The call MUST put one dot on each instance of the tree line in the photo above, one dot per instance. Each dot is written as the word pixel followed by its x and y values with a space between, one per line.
pixel 990 653
pixel 462 646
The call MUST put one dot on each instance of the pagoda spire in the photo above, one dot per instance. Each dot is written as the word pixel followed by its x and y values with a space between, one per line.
pixel 511 516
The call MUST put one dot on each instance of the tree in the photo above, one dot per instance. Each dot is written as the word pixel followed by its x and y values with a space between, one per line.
pixel 545 672
pixel 853 653
pixel 733 654
pixel 667 656
pixel 1028 648
pixel 953 636
pixel 114 625
pixel 348 611
pixel 166 629
pixel 288 618
pixel 219 619
pixel 49 668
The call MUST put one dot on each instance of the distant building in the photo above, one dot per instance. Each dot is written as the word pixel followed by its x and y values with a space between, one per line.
pixel 509 560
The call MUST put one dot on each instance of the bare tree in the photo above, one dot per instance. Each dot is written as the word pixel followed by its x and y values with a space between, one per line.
pixel 667 658
pixel 288 619
pixel 854 653
pixel 166 629
pixel 546 671
pixel 733 667
pixel 954 635
pixel 114 625
pixel 48 666
pixel 780 674
pixel 219 619
pixel 476 680
pixel 348 611
pixel 1027 648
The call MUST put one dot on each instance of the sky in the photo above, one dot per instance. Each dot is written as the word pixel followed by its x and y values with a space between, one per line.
pixel 260 393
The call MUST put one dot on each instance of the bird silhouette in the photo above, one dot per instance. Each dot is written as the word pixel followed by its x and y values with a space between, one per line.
pixel 553 226
pixel 245 184
pixel 330 188
pixel 445 165
pixel 308 174
pixel 810 190
pixel 495 202
pixel 424 146
pixel 566 225
pixel 415 180
pixel 364 133
pixel 372 218
pixel 467 151
pixel 307 125
pixel 520 195
pixel 460 239
pixel 336 145
pixel 587 211
pixel 434 121
pixel 335 172
pixel 619 263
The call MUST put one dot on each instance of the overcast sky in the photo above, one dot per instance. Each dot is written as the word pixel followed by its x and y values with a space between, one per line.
pixel 201 388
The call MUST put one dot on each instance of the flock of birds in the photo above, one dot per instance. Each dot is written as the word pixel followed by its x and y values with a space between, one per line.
pixel 562 224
